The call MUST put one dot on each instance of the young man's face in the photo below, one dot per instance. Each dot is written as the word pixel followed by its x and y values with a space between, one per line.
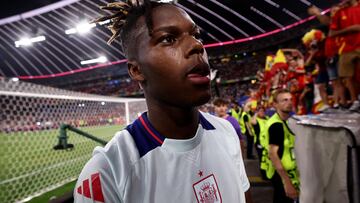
pixel 284 103
pixel 221 110
pixel 173 60
pixel 235 106
pixel 261 113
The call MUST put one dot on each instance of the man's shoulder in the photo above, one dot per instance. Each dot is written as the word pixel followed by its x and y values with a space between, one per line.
pixel 224 132
pixel 231 119
pixel 276 124
pixel 120 150
pixel 218 123
pixel 108 168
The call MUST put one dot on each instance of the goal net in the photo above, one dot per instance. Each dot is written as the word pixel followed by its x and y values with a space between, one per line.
pixel 30 119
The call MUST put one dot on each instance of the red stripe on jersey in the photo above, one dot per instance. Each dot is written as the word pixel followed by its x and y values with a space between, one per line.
pixel 86 188
pixel 149 131
pixel 96 188
pixel 79 190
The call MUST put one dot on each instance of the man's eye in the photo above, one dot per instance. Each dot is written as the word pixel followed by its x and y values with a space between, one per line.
pixel 197 36
pixel 168 39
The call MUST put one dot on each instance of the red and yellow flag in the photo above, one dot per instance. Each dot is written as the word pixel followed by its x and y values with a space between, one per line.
pixel 269 62
pixel 280 60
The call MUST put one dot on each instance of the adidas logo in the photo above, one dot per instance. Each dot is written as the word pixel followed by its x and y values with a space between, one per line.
pixel 93 190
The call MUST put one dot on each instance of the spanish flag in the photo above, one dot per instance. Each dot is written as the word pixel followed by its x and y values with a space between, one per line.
pixel 279 61
pixel 269 62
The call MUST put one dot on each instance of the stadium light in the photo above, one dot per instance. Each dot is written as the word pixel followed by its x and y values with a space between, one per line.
pixel 101 59
pixel 81 28
pixel 71 31
pixel 29 41
pixel 104 22
pixel 15 79
pixel 84 27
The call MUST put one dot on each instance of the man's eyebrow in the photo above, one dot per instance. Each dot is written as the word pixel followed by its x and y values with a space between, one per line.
pixel 170 28
pixel 173 28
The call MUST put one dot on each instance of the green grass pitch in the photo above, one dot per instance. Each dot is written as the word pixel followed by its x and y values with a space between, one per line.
pixel 29 165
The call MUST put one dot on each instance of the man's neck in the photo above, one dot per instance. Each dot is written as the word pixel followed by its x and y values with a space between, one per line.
pixel 173 122
pixel 224 116
pixel 283 115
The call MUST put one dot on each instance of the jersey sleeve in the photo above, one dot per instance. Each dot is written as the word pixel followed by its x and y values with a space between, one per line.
pixel 104 178
pixel 244 179
pixel 96 183
pixel 245 184
pixel 236 126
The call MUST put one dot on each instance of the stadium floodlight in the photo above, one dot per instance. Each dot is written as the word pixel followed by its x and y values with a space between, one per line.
pixel 105 22
pixel 15 79
pixel 101 59
pixel 70 31
pixel 29 41
pixel 165 1
pixel 81 28
pixel 23 42
pixel 84 27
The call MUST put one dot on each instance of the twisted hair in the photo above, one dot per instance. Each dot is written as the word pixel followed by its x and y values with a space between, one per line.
pixel 124 18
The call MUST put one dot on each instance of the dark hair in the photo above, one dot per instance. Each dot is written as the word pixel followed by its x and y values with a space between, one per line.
pixel 278 92
pixel 124 21
pixel 260 107
pixel 219 102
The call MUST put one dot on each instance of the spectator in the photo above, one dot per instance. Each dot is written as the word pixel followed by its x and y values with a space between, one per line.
pixel 258 122
pixel 331 52
pixel 315 44
pixel 221 109
pixel 346 25
pixel 284 175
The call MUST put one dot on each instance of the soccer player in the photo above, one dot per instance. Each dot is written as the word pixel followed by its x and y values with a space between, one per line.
pixel 172 152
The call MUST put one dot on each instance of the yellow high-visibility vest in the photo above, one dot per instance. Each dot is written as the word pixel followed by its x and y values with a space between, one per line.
pixel 242 123
pixel 288 158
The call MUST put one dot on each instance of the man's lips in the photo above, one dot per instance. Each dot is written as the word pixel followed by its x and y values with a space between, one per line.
pixel 198 78
pixel 200 74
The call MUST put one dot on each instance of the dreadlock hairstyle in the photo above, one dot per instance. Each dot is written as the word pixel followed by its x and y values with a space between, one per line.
pixel 124 19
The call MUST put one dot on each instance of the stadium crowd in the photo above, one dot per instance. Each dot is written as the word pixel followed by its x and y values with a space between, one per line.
pixel 320 72
pixel 307 66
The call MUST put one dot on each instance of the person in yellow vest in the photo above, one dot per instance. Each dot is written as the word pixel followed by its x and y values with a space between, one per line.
pixel 283 169
pixel 246 130
pixel 235 111
pixel 258 122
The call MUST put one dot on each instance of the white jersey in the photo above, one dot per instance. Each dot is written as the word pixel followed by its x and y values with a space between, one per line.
pixel 139 165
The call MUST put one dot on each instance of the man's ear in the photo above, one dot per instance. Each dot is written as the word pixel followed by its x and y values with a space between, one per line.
pixel 135 71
